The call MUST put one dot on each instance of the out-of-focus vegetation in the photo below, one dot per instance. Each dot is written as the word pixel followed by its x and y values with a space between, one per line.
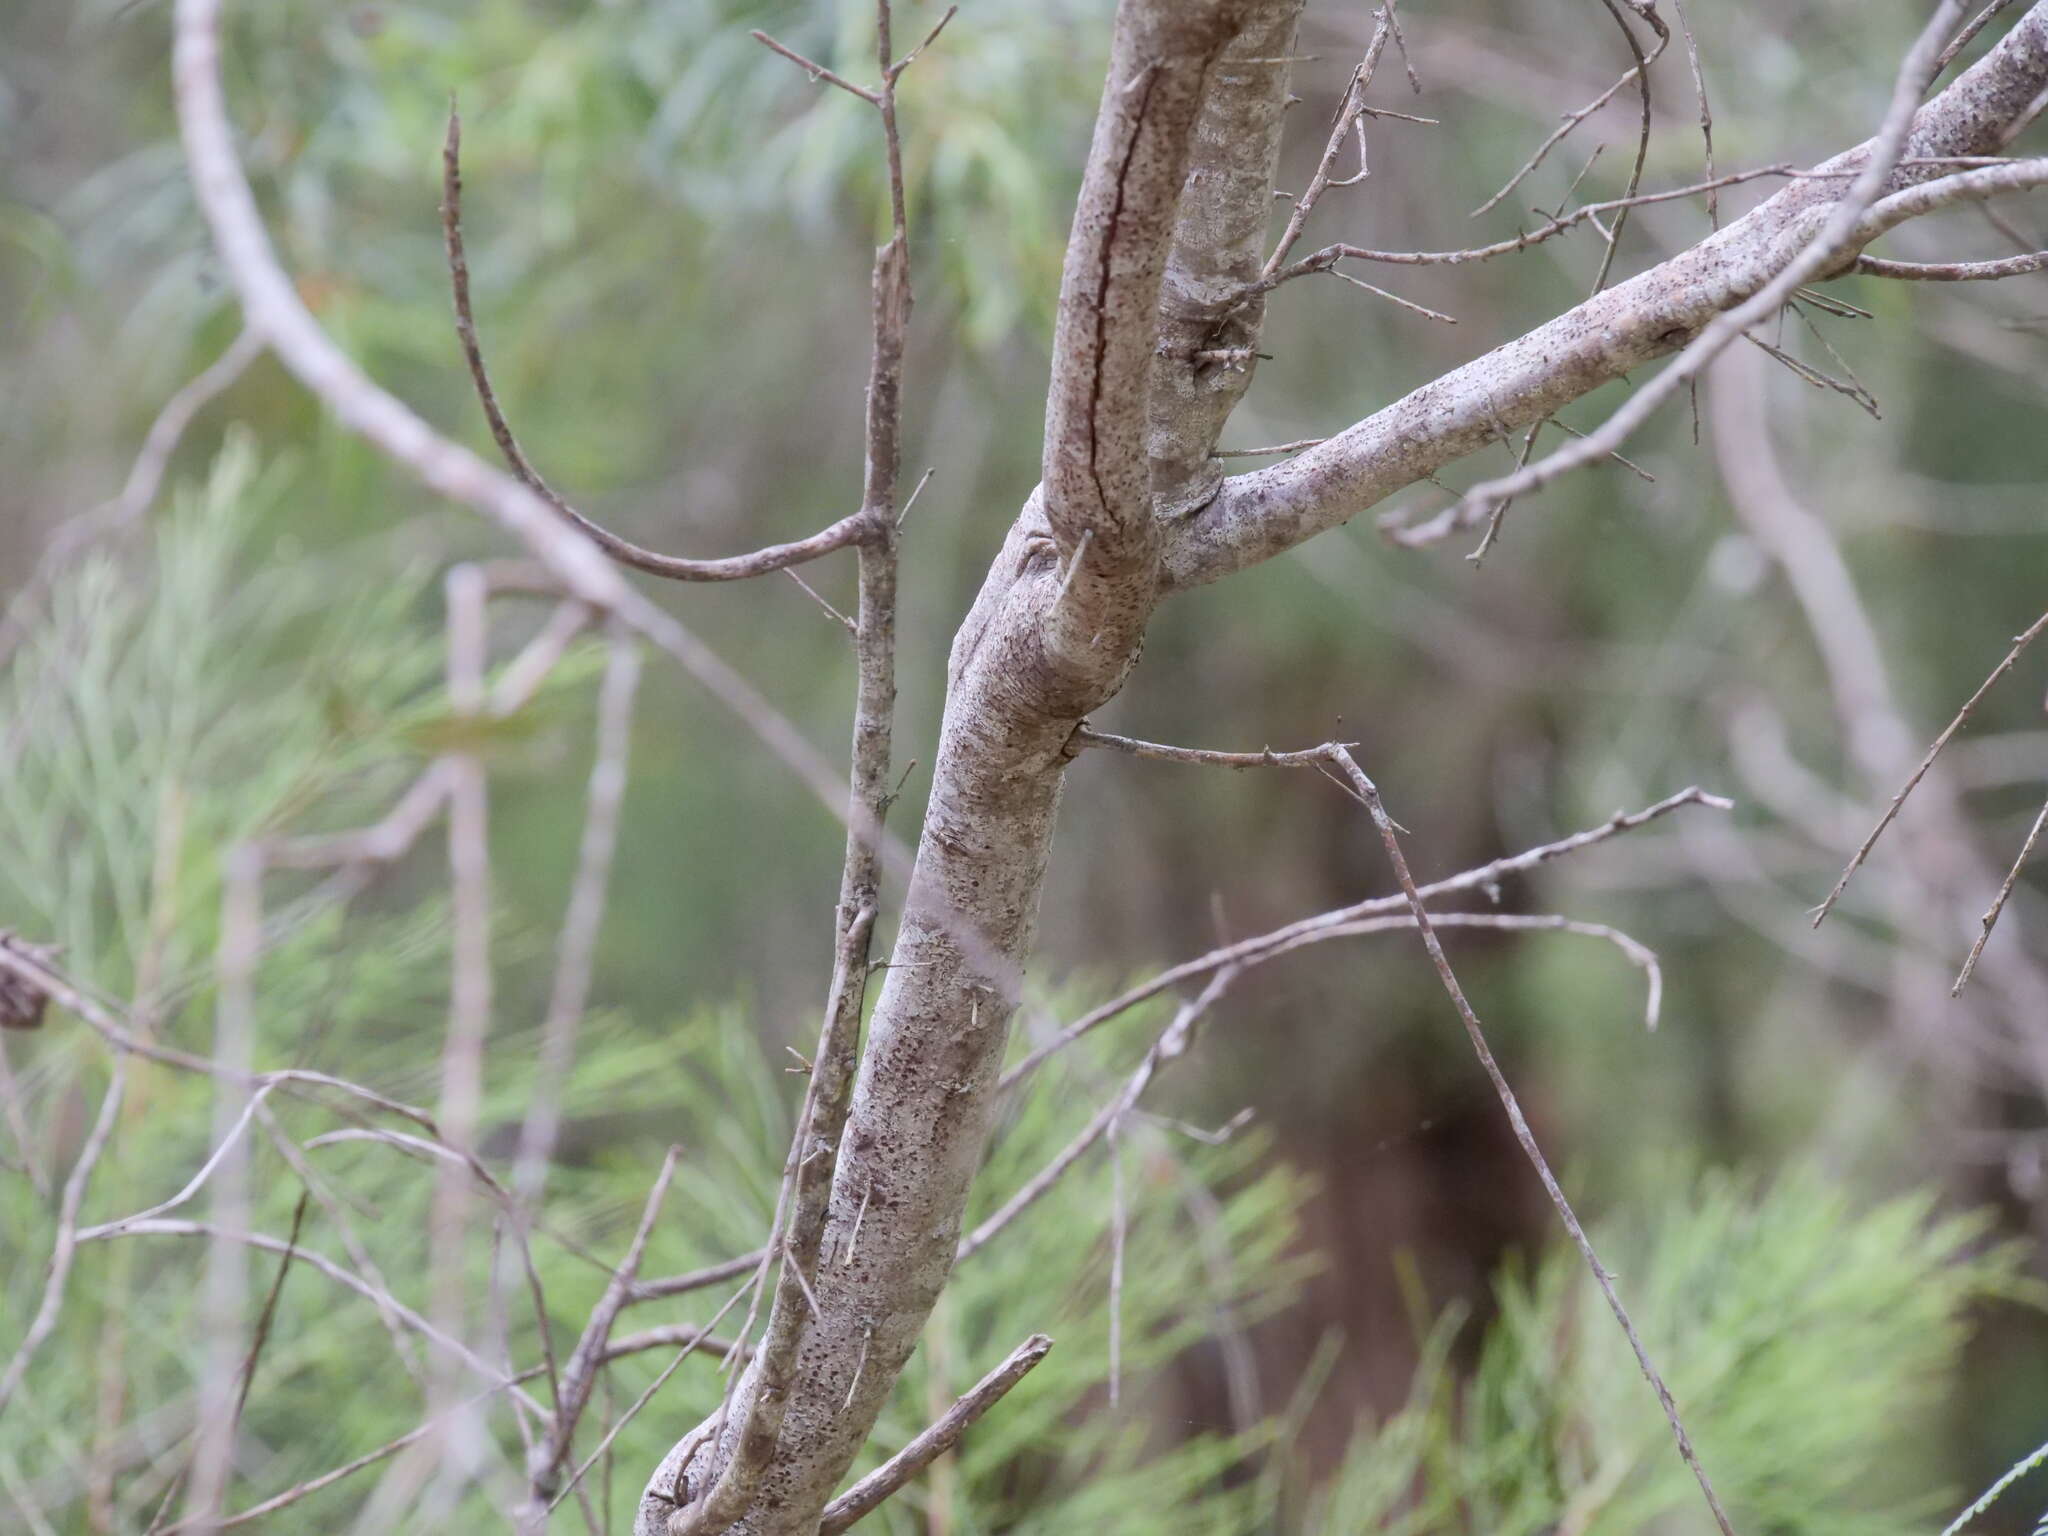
pixel 670 232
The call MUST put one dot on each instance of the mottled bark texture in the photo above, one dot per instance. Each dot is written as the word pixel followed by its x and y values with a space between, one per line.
pixel 1167 236
pixel 1053 634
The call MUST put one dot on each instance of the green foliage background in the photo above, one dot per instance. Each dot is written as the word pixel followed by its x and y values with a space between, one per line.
pixel 670 232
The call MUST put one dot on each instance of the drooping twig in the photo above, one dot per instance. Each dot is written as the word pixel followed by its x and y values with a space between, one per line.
pixel 934 1441
pixel 1370 794
pixel 2020 644
pixel 346 1278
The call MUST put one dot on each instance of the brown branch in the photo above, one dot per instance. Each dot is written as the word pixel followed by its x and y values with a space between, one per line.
pixel 1699 86
pixel 1553 225
pixel 1087 736
pixel 1349 119
pixel 775 557
pixel 934 1440
pixel 579 1375
pixel 275 311
pixel 1371 795
pixel 1574 118
pixel 1647 10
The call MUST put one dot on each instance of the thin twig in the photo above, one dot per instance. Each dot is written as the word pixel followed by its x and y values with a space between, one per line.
pixel 775 557
pixel 2020 644
pixel 1851 221
pixel 1952 271
pixel 579 1375
pixel 1647 10
pixel 1990 918
pixel 1171 1045
pixel 1487 877
pixel 1571 121
pixel 1371 795
pixel 1699 86
pixel 934 1441
pixel 65 1248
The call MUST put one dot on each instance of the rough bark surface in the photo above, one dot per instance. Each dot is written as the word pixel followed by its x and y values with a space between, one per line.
pixel 1053 634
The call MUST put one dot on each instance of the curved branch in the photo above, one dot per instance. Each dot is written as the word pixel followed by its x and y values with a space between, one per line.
pixel 775 557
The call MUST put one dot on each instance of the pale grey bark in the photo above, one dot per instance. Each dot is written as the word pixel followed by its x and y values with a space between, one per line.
pixel 1133 507
pixel 1162 267
pixel 1262 514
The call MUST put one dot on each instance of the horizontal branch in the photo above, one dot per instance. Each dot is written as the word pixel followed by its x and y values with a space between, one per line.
pixel 1952 271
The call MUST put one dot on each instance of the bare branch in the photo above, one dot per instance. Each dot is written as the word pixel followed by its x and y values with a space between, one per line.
pixel 579 1375
pixel 817 71
pixel 1349 119
pixel 1245 952
pixel 1699 85
pixel 1839 233
pixel 1266 757
pixel 933 1441
pixel 275 312
pixel 1647 10
pixel 1257 515
pixel 1573 119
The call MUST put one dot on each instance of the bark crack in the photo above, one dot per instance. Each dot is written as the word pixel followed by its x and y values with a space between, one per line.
pixel 1147 78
